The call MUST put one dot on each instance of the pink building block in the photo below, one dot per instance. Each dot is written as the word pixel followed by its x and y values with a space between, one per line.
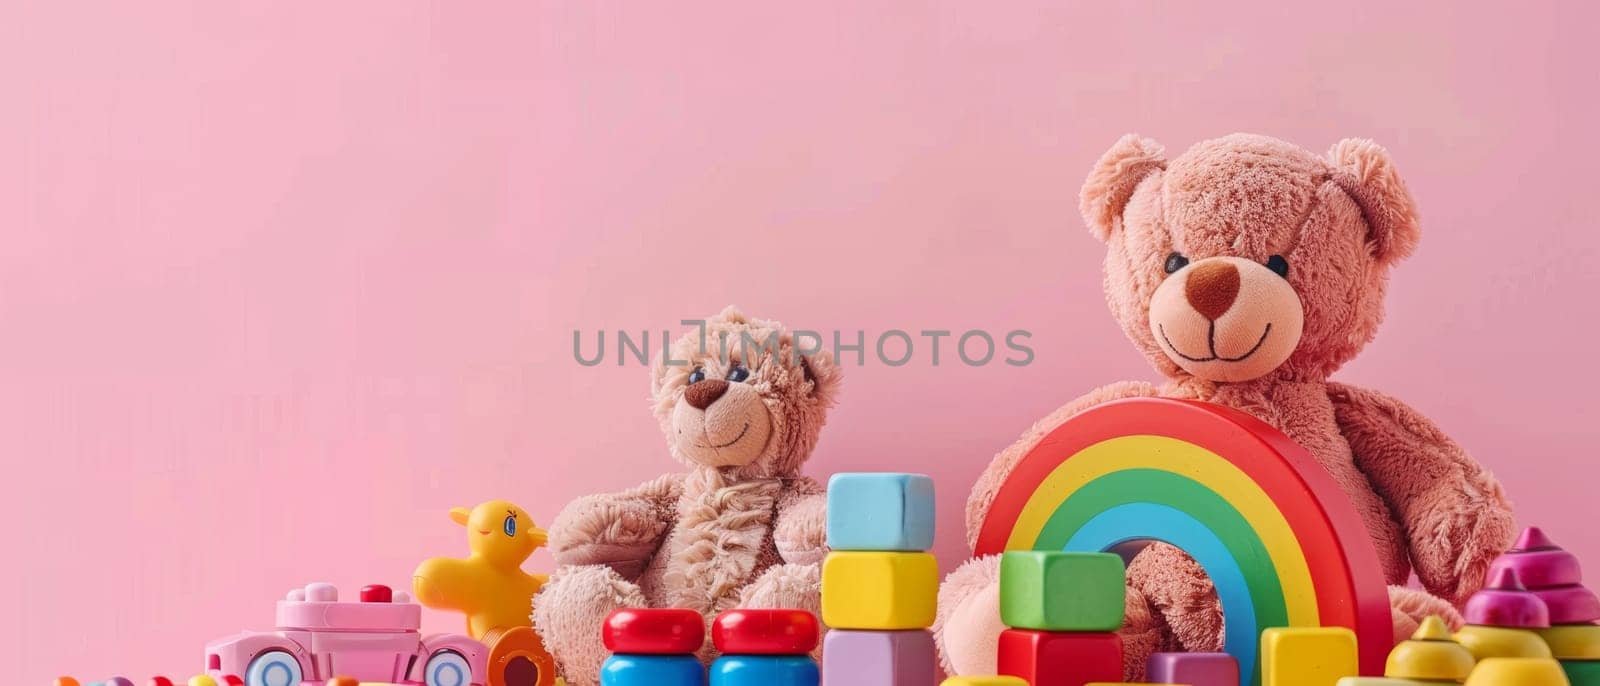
pixel 376 639
pixel 1194 669
pixel 878 658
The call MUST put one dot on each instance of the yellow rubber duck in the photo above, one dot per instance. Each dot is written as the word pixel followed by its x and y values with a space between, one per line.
pixel 488 586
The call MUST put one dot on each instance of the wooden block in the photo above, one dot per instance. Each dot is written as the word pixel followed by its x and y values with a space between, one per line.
pixel 878 658
pixel 880 511
pixel 1194 669
pixel 765 632
pixel 1517 671
pixel 1307 656
pixel 874 590
pixel 1058 591
pixel 997 680
pixel 652 670
pixel 1049 658
pixel 764 670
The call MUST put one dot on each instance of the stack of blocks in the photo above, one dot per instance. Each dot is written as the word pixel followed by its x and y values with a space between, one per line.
pixel 764 648
pixel 879 586
pixel 653 647
pixel 1062 611
pixel 1556 577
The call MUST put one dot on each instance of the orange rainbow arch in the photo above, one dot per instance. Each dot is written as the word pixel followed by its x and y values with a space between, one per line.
pixel 1277 536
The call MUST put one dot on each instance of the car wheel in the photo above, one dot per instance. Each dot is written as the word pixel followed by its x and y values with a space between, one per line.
pixel 447 668
pixel 273 668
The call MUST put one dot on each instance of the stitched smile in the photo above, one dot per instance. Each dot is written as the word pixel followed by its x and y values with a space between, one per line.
pixel 1211 342
pixel 736 439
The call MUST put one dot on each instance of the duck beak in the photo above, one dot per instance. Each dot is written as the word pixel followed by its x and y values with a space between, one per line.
pixel 540 537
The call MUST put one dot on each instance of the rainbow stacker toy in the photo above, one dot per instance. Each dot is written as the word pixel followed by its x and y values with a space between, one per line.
pixel 318 637
pixel 1276 535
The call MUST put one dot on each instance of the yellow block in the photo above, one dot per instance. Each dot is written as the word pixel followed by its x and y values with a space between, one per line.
pixel 983 681
pixel 871 590
pixel 1307 656
pixel 1518 671
pixel 1573 641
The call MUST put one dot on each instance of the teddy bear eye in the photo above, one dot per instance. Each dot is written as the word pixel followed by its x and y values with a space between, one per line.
pixel 1277 264
pixel 738 373
pixel 1176 261
pixel 697 375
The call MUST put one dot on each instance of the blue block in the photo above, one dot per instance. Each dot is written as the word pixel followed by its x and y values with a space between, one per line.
pixel 880 511
pixel 652 670
pixel 764 670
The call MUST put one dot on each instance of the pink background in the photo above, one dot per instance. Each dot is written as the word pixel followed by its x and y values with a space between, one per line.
pixel 280 284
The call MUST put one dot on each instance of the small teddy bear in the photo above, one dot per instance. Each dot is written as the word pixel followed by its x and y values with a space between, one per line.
pixel 742 408
pixel 1248 270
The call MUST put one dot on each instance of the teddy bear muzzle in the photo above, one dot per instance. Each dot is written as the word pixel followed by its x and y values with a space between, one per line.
pixel 1226 319
pixel 721 424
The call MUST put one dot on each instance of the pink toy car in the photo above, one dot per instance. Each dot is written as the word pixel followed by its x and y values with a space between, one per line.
pixel 318 638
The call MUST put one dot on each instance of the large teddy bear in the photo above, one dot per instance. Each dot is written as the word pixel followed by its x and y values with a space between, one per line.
pixel 1247 271
pixel 743 528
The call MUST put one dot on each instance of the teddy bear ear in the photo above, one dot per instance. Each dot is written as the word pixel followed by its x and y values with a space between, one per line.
pixel 1110 184
pixel 1363 169
pixel 823 372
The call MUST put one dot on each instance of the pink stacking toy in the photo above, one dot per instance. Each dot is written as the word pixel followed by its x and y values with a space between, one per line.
pixel 1504 602
pixel 375 639
pixel 1552 574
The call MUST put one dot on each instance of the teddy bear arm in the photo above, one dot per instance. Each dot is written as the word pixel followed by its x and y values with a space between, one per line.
pixel 994 475
pixel 621 530
pixel 1455 514
pixel 801 530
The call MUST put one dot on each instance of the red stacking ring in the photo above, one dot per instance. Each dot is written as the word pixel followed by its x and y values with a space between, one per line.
pixel 653 632
pixel 765 632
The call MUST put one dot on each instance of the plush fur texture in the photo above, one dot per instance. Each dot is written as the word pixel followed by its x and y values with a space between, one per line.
pixel 742 528
pixel 1194 250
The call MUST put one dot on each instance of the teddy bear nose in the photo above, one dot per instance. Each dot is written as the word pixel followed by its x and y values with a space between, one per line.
pixel 1211 288
pixel 701 394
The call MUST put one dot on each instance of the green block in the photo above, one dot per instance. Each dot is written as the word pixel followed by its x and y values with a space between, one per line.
pixel 1582 672
pixel 1057 591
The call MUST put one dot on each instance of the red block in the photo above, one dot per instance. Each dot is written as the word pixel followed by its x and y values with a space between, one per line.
pixel 645 631
pixel 765 632
pixel 1054 658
